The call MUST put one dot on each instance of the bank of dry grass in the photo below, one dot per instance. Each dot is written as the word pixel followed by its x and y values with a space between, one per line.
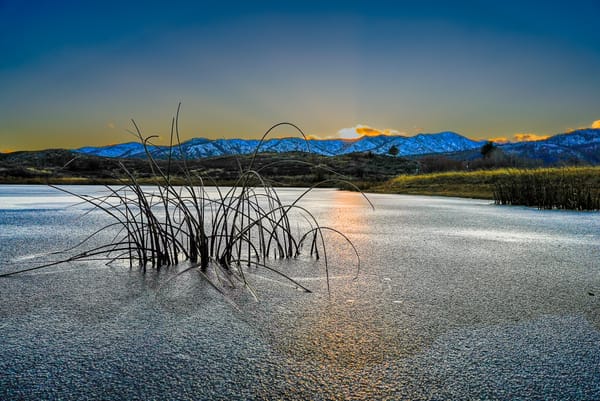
pixel 568 187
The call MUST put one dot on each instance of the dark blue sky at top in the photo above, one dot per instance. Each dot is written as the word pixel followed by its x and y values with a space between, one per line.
pixel 74 72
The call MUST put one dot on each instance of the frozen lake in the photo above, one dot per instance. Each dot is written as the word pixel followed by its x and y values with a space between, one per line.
pixel 456 299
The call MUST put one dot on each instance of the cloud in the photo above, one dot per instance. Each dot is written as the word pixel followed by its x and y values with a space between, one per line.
pixel 527 136
pixel 499 140
pixel 367 131
pixel 110 125
pixel 364 130
pixel 596 124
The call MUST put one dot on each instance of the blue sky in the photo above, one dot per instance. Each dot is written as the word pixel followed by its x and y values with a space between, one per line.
pixel 74 73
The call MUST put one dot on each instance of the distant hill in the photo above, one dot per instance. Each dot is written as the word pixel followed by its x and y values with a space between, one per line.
pixel 294 168
pixel 366 159
pixel 580 146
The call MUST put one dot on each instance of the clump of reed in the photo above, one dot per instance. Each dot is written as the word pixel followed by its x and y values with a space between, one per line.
pixel 556 188
pixel 219 236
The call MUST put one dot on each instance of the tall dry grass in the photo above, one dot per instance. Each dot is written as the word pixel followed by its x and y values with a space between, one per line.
pixel 574 188
pixel 242 226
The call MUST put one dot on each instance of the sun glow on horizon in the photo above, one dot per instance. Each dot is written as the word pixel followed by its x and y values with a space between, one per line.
pixel 529 137
pixel 520 137
pixel 362 130
pixel 594 125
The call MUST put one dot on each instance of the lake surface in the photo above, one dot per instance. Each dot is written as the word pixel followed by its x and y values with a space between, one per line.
pixel 456 299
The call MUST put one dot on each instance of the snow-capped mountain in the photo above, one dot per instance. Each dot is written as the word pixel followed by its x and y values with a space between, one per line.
pixel 581 145
pixel 123 150
pixel 201 147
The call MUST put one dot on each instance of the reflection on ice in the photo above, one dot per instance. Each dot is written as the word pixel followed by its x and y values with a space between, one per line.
pixel 18 197
pixel 503 235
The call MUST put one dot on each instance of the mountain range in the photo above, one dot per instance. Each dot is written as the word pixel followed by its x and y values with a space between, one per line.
pixel 579 145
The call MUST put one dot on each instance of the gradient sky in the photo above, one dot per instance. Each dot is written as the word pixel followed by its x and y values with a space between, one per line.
pixel 73 73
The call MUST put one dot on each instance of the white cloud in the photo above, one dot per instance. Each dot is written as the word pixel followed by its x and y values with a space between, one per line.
pixel 348 133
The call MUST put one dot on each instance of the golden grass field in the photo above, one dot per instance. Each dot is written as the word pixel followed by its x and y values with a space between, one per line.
pixel 482 183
